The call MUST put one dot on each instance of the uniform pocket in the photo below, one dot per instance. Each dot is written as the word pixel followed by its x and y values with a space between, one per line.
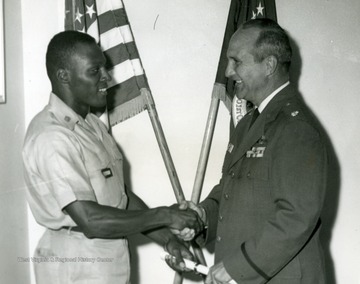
pixel 258 174
pixel 96 160
pixel 259 169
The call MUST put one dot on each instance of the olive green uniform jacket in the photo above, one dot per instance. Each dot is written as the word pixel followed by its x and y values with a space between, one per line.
pixel 265 212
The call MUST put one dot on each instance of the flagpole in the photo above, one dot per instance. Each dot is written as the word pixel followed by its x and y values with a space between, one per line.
pixel 205 150
pixel 150 104
pixel 204 156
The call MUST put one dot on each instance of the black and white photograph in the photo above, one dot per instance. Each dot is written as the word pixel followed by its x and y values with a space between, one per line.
pixel 184 142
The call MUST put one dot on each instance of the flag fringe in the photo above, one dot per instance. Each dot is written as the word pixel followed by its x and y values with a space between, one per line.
pixel 127 110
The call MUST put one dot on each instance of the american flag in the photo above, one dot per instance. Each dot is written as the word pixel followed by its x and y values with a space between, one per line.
pixel 107 22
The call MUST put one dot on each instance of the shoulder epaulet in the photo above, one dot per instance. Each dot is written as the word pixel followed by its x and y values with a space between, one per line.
pixel 292 110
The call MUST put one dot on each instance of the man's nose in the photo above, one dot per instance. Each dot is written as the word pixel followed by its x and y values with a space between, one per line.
pixel 229 70
pixel 105 76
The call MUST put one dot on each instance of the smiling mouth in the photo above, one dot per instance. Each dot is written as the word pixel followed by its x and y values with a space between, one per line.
pixel 238 84
pixel 103 91
pixel 238 88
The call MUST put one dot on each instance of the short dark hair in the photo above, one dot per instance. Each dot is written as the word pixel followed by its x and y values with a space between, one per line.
pixel 272 40
pixel 62 47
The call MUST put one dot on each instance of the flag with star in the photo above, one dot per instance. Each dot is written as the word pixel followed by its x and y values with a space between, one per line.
pixel 107 22
pixel 240 11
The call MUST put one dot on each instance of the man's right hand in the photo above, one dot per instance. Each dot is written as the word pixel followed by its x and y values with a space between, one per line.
pixel 200 210
pixel 184 219
pixel 188 234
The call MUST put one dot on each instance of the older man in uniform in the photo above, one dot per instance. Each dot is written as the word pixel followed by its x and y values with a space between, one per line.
pixel 265 212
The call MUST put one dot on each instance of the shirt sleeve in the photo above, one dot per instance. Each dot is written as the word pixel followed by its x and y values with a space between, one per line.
pixel 60 163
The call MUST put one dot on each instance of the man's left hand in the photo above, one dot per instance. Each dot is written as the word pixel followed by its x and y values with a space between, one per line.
pixel 185 234
pixel 179 250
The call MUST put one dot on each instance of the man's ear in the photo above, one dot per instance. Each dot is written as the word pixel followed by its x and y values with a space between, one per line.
pixel 271 64
pixel 62 76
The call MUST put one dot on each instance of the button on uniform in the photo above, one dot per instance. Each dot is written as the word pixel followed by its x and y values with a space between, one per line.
pixel 231 174
pixel 226 196
pixel 218 239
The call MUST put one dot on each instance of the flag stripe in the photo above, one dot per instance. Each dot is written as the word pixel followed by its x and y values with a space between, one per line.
pixel 120 53
pixel 126 91
pixel 94 31
pixel 125 70
pixel 105 6
pixel 111 19
pixel 116 36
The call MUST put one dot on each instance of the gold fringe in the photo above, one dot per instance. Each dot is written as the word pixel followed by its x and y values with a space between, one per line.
pixel 127 110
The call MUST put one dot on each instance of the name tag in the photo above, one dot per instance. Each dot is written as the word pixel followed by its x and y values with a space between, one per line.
pixel 256 152
pixel 107 172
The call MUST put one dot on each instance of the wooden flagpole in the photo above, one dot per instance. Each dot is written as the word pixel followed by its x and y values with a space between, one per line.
pixel 205 150
pixel 204 155
pixel 150 104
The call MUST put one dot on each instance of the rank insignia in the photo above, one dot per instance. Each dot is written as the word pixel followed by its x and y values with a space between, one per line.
pixel 230 147
pixel 295 113
pixel 256 152
pixel 262 140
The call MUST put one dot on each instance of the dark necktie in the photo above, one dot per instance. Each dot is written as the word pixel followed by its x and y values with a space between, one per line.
pixel 255 115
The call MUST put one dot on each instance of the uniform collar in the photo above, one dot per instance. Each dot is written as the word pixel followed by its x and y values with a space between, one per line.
pixel 64 114
pixel 265 102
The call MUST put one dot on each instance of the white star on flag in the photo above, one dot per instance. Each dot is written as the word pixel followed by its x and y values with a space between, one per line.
pixel 90 10
pixel 253 15
pixel 260 9
pixel 78 16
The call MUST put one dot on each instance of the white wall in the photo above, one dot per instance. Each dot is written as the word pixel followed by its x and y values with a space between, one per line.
pixel 329 81
pixel 180 56
pixel 13 222
pixel 37 32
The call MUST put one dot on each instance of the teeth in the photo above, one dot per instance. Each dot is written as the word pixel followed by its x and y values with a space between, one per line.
pixel 102 90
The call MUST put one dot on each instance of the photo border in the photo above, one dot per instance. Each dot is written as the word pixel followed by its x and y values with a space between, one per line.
pixel 2 55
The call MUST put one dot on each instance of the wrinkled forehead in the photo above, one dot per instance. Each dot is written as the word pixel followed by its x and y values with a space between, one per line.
pixel 245 36
pixel 243 41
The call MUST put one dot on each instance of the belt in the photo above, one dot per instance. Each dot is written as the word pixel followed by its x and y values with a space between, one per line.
pixel 75 229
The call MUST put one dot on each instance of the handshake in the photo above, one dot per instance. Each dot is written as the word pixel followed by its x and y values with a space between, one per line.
pixel 188 220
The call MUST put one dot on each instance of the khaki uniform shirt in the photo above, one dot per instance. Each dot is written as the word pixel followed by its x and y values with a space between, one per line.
pixel 67 158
